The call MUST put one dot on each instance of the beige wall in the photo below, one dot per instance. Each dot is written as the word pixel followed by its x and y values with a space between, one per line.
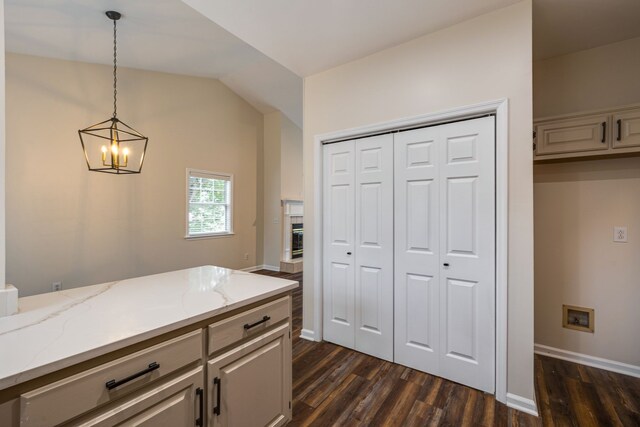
pixel 67 224
pixel 577 204
pixel 2 156
pixel 603 77
pixel 282 179
pixel 291 160
pixel 483 59
pixel 272 182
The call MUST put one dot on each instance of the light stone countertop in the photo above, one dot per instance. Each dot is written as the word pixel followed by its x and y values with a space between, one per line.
pixel 55 330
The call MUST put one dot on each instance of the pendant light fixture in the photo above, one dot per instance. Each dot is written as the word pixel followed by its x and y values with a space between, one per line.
pixel 112 146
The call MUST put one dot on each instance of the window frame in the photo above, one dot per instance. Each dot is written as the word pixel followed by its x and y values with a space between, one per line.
pixel 213 175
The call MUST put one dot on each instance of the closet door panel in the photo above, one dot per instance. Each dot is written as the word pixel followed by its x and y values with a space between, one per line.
pixel 467 255
pixel 374 246
pixel 338 243
pixel 416 314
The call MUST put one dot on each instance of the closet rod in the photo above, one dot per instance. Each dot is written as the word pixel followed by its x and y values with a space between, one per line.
pixel 403 129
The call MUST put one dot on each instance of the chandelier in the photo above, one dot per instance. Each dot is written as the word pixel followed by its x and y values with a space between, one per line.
pixel 112 146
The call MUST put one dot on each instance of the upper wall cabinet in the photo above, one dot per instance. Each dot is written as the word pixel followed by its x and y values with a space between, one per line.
pixel 615 131
pixel 627 129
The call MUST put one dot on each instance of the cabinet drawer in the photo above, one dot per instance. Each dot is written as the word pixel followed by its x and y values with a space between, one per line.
pixel 175 403
pixel 72 396
pixel 249 323
pixel 583 134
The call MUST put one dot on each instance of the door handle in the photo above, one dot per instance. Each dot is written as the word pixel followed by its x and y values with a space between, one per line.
pixel 619 130
pixel 248 326
pixel 604 132
pixel 216 409
pixel 200 394
pixel 111 384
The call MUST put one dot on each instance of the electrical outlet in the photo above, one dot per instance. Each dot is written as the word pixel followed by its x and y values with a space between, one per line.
pixel 246 257
pixel 56 286
pixel 620 234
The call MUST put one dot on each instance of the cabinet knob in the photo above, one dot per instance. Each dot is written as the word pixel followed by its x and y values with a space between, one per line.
pixel 446 264
pixel 348 253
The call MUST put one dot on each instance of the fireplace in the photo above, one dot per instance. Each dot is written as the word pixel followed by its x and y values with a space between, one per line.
pixel 296 240
pixel 292 236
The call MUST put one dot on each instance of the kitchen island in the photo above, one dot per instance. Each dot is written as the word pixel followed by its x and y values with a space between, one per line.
pixel 181 345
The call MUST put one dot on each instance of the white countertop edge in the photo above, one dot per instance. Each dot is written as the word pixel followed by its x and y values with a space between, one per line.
pixel 57 365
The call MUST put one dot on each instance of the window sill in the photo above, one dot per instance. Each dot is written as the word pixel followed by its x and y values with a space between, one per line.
pixel 209 236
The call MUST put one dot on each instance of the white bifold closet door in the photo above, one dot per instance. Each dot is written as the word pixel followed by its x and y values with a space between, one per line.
pixel 358 245
pixel 445 251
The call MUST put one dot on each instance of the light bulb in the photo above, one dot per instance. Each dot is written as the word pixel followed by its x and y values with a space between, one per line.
pixel 104 148
pixel 114 149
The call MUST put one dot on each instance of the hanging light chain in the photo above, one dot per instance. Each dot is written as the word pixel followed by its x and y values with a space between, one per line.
pixel 115 72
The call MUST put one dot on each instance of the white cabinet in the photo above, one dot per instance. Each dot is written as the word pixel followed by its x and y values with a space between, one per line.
pixel 627 129
pixel 179 402
pixel 72 396
pixel 247 353
pixel 250 384
pixel 612 132
pixel 573 136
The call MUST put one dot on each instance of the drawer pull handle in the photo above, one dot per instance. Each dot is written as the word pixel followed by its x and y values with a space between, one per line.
pixel 604 132
pixel 216 409
pixel 200 394
pixel 113 383
pixel 619 138
pixel 248 326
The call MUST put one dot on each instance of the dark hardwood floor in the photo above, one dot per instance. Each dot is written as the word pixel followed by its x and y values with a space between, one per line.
pixel 335 386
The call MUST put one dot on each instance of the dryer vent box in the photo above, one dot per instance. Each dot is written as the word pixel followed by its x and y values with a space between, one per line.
pixel 578 318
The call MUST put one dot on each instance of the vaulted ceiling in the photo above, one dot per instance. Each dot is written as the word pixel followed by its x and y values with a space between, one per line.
pixel 262 49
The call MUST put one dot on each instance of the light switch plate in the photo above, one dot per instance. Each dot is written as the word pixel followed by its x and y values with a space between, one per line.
pixel 620 234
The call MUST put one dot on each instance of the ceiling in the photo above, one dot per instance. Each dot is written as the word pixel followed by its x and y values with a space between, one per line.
pixel 158 35
pixel 309 36
pixel 566 26
pixel 262 49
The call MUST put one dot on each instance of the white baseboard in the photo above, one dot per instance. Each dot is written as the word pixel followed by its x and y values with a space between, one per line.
pixel 585 359
pixel 522 404
pixel 261 267
pixel 307 334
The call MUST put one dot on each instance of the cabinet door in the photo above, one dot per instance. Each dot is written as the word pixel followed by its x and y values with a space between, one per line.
pixel 179 402
pixel 250 385
pixel 626 129
pixel 582 134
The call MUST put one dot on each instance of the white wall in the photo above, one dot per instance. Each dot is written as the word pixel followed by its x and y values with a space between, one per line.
pixel 577 204
pixel 483 59
pixel 67 224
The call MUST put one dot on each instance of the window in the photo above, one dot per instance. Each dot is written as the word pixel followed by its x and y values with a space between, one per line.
pixel 209 206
